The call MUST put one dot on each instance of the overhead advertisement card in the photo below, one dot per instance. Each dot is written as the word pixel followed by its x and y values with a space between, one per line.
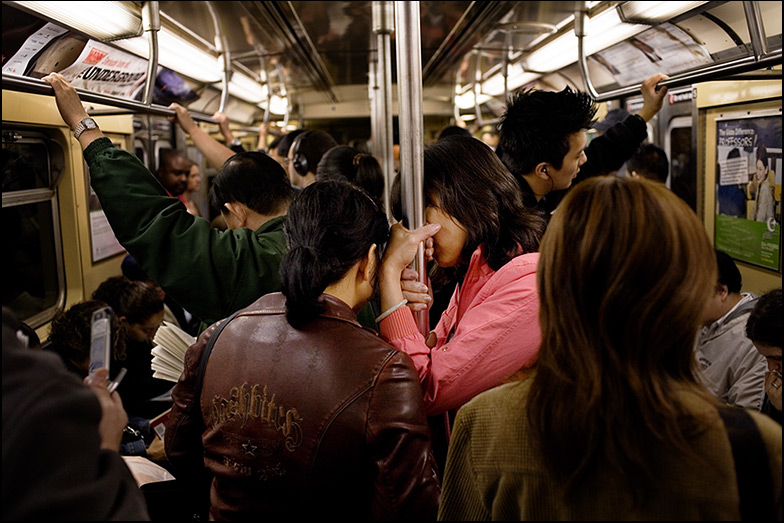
pixel 748 187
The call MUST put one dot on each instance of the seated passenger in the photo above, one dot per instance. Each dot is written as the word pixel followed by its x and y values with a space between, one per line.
pixel 60 441
pixel 763 328
pixel 613 424
pixel 139 307
pixel 304 409
pixel 731 368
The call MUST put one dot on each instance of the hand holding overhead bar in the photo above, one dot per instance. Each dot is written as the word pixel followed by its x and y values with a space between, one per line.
pixel 31 85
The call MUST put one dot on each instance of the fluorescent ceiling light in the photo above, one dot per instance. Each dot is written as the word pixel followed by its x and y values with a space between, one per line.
pixel 467 100
pixel 278 105
pixel 177 55
pixel 246 88
pixel 104 21
pixel 654 12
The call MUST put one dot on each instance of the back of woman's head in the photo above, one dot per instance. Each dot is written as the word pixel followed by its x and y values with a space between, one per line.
pixel 330 226
pixel 136 300
pixel 624 272
pixel 465 179
pixel 253 179
pixel 346 163
pixel 69 334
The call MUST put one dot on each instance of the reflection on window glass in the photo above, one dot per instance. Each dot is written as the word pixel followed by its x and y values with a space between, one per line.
pixel 683 180
pixel 31 281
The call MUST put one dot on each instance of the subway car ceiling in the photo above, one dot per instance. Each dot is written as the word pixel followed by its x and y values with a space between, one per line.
pixel 308 63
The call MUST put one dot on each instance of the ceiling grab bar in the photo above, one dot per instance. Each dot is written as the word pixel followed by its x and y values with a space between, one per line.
pixel 225 58
pixel 151 22
pixel 759 42
pixel 477 87
pixel 409 66
pixel 579 31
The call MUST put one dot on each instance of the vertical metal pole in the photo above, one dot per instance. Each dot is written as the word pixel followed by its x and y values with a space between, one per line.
pixel 151 21
pixel 409 82
pixel 383 25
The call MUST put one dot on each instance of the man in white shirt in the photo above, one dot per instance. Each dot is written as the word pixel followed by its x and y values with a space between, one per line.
pixel 731 368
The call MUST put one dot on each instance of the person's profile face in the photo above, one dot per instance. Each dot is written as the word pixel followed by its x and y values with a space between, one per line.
pixel 145 330
pixel 449 241
pixel 194 179
pixel 574 159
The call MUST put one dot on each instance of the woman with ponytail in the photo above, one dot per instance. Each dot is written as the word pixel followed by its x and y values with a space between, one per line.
pixel 361 169
pixel 301 407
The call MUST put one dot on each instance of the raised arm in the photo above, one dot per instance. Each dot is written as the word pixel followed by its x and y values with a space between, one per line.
pixel 215 152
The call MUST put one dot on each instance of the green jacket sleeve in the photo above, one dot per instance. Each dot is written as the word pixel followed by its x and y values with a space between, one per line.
pixel 210 273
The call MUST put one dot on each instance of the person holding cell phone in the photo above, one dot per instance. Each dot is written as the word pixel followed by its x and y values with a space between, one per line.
pixel 763 328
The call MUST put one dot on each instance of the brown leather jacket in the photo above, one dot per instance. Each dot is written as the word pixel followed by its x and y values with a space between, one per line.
pixel 324 421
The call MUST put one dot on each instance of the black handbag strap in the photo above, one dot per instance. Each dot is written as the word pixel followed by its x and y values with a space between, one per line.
pixel 752 468
pixel 199 381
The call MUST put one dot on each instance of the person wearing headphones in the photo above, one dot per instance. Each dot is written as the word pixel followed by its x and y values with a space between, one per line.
pixel 304 156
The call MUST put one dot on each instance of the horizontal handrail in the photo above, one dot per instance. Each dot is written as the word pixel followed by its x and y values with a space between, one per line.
pixel 26 84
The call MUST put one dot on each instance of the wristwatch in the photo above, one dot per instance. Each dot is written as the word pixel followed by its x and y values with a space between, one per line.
pixel 85 124
pixel 235 142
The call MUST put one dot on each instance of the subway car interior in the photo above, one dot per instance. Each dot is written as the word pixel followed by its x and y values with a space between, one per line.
pixel 375 75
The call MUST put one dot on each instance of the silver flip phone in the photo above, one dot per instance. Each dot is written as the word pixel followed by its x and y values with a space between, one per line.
pixel 101 339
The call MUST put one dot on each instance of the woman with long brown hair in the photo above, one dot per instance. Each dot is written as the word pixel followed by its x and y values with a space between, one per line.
pixel 613 424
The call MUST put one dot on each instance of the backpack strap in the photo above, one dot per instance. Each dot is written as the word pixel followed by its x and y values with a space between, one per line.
pixel 752 470
pixel 199 381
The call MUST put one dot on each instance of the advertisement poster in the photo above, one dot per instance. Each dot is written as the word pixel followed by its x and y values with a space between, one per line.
pixel 661 48
pixel 748 187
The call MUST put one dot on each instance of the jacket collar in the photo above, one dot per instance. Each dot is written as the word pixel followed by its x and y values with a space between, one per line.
pixel 335 308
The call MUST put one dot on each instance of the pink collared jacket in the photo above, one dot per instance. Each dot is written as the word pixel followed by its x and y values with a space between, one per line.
pixel 489 332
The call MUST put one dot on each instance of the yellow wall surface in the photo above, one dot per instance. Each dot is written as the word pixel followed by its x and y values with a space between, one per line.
pixel 39 113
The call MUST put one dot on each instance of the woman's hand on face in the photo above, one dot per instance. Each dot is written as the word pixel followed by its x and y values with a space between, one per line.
pixel 403 245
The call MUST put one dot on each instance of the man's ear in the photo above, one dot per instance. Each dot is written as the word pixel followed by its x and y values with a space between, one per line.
pixel 542 170
pixel 238 210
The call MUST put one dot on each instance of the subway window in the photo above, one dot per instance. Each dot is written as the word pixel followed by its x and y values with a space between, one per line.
pixel 33 282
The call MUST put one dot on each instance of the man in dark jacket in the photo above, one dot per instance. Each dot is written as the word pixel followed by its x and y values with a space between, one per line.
pixel 543 142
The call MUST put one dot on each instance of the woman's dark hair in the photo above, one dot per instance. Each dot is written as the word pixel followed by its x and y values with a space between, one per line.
pixel 465 179
pixel 253 179
pixel 330 226
pixel 69 335
pixel 764 323
pixel 137 300
pixel 346 163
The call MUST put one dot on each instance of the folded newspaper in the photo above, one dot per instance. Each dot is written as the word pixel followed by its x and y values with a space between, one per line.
pixel 168 353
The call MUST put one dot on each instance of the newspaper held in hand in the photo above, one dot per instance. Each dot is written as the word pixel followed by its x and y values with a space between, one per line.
pixel 168 354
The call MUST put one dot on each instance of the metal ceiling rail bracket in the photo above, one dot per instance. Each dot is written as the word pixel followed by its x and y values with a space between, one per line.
pixel 151 22
pixel 760 59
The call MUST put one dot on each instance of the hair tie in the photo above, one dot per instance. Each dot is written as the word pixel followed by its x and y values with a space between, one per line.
pixel 357 158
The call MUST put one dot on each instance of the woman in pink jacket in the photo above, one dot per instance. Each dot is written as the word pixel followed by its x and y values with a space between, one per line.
pixel 477 227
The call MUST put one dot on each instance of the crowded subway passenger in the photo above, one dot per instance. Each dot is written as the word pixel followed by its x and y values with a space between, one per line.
pixel 392 260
